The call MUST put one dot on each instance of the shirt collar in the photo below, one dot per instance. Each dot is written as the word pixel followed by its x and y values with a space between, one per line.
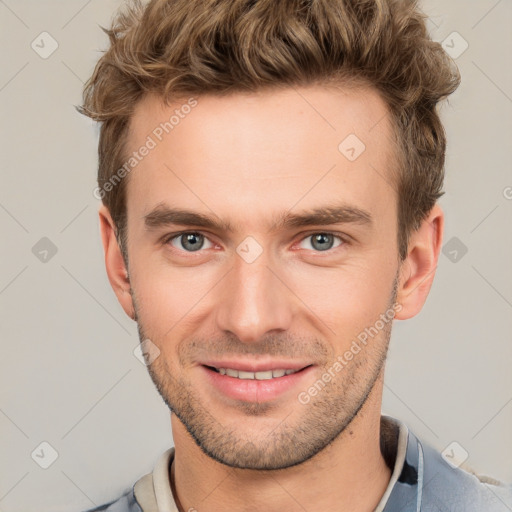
pixel 405 492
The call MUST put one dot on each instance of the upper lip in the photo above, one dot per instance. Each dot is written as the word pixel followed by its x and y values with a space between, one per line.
pixel 257 366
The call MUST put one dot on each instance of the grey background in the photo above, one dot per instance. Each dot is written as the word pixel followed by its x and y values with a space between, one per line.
pixel 68 374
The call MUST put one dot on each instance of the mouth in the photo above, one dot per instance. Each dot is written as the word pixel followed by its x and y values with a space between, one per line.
pixel 261 375
pixel 255 383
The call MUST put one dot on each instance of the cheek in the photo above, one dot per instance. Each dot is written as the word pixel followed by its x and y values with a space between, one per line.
pixel 344 301
pixel 168 298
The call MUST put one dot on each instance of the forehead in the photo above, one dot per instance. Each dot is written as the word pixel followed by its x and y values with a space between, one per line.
pixel 262 152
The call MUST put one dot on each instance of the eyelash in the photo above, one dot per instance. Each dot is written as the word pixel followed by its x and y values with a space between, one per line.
pixel 343 238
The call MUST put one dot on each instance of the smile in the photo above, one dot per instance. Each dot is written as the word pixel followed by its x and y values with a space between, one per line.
pixel 261 375
pixel 261 383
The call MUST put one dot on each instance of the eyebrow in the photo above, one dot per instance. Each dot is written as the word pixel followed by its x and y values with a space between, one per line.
pixel 162 216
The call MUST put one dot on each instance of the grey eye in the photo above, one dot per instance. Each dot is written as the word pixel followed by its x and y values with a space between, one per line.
pixel 322 241
pixel 189 242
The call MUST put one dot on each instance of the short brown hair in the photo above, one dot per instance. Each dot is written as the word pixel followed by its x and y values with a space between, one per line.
pixel 190 47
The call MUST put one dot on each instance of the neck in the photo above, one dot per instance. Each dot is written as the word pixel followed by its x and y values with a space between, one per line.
pixel 348 475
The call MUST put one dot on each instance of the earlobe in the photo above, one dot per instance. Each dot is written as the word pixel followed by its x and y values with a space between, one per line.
pixel 418 269
pixel 114 263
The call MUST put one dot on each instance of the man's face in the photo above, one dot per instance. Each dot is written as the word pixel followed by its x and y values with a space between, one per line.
pixel 258 289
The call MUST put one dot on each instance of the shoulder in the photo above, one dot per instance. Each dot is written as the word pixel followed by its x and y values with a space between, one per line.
pixel 142 496
pixel 126 503
pixel 446 487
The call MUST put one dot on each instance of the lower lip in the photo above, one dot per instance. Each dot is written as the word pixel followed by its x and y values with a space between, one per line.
pixel 252 390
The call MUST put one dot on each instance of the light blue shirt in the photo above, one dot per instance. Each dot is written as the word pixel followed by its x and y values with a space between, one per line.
pixel 421 481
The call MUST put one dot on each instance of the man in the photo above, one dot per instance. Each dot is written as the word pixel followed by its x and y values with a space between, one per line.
pixel 269 172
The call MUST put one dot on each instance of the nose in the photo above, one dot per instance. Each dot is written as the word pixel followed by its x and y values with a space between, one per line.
pixel 254 301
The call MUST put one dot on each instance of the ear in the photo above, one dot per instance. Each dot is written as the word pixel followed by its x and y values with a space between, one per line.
pixel 114 262
pixel 418 269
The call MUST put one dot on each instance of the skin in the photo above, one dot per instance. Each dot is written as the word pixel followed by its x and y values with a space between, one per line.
pixel 245 159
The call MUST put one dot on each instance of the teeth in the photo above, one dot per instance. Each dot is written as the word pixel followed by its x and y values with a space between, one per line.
pixel 264 375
